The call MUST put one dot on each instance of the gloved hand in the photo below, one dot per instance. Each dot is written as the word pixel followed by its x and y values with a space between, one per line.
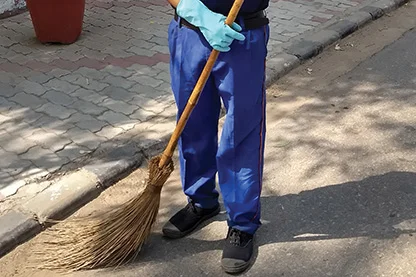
pixel 212 25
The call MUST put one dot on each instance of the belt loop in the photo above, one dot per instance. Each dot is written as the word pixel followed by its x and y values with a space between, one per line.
pixel 179 22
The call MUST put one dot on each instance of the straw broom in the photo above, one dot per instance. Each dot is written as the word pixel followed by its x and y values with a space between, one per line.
pixel 117 237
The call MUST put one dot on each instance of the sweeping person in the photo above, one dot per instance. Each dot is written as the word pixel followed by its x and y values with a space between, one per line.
pixel 237 79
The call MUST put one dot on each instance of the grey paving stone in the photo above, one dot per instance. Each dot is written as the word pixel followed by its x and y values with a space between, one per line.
pixel 146 80
pixel 8 158
pixel 45 158
pixel 84 138
pixel 139 70
pixel 161 49
pixel 117 71
pixel 14 111
pixel 7 90
pixel 28 100
pixel 150 104
pixel 58 72
pixel 49 124
pixel 320 14
pixel 114 118
pixel 90 73
pixel 88 107
pixel 38 77
pixel 58 97
pixel 140 44
pixel 165 87
pixel 162 66
pixel 141 51
pixel 140 14
pixel 73 151
pixel 3 50
pixel 89 95
pixel 142 115
pixel 6 179
pixel 5 138
pixel 61 85
pixel 10 125
pixel 5 41
pixel 109 132
pixel 11 78
pixel 85 82
pixel 18 167
pixel 328 2
pixel 78 117
pixel 93 54
pixel 119 106
pixel 301 15
pixel 4 119
pixel 118 53
pixel 32 173
pixel 164 76
pixel 117 93
pixel 55 110
pixel 31 116
pixel 278 36
pixel 159 33
pixel 12 187
pixel 16 144
pixel 118 82
pixel 123 19
pixel 49 140
pixel 92 125
pixel 21 129
pixel 69 55
pixel 159 41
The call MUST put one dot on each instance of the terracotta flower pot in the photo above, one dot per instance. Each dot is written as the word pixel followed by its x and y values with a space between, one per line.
pixel 57 21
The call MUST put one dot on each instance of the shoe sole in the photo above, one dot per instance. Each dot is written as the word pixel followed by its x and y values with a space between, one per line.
pixel 178 235
pixel 236 270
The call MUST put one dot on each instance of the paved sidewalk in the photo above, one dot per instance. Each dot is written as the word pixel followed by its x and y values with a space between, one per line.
pixel 61 104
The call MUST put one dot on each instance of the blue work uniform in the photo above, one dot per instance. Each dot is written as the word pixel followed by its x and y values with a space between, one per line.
pixel 237 79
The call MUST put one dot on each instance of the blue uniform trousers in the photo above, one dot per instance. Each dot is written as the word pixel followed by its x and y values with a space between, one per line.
pixel 238 80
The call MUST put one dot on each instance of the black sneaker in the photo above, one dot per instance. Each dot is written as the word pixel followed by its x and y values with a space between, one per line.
pixel 237 252
pixel 187 219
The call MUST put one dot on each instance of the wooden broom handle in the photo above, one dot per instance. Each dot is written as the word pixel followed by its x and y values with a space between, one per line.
pixel 193 99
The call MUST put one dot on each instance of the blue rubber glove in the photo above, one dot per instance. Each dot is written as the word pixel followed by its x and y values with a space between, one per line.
pixel 212 25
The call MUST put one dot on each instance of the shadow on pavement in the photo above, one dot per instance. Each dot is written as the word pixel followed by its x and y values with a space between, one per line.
pixel 375 207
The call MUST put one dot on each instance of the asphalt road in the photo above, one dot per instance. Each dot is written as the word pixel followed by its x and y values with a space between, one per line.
pixel 339 194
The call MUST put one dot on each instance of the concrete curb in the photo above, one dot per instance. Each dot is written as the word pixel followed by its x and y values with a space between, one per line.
pixel 68 194
pixel 17 227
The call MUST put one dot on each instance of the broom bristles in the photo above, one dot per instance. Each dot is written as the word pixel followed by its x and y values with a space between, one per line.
pixel 107 240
